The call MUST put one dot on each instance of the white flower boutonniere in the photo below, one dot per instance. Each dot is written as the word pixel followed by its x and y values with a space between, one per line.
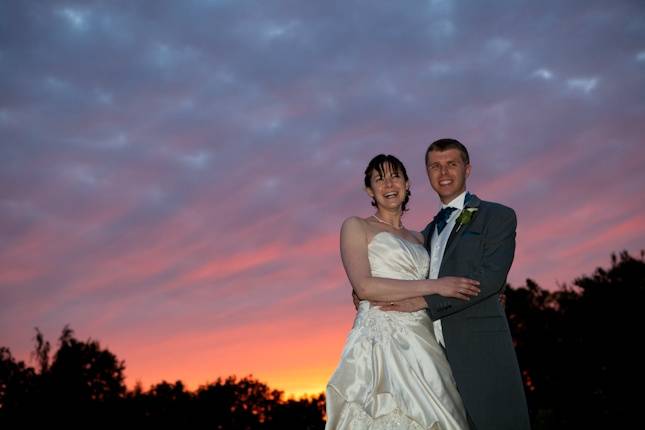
pixel 465 216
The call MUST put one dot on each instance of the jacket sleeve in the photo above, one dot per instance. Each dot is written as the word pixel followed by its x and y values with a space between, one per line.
pixel 497 256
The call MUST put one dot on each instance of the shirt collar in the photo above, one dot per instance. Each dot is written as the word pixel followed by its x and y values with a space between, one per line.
pixel 457 202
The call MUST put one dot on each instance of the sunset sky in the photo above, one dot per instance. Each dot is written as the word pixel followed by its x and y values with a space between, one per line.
pixel 173 174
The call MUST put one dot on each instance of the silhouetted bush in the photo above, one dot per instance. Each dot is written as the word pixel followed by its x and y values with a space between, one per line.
pixel 578 347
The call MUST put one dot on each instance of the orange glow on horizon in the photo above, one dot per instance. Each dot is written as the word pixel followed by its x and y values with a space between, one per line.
pixel 287 355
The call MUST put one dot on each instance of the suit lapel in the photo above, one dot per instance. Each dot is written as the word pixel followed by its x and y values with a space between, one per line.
pixel 428 238
pixel 455 235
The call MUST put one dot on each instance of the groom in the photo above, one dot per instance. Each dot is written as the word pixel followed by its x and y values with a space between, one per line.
pixel 474 239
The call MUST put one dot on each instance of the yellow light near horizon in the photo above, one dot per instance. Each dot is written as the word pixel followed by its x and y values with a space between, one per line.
pixel 300 384
pixel 271 354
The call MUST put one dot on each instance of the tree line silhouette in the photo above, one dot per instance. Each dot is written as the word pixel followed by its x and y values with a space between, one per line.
pixel 578 348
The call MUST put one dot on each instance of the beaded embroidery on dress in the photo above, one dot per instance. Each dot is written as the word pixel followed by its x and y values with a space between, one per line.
pixel 392 373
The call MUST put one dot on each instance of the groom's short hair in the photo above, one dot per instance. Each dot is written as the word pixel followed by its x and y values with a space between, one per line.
pixel 444 144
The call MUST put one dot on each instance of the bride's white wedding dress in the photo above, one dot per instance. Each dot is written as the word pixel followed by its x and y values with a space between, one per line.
pixel 392 373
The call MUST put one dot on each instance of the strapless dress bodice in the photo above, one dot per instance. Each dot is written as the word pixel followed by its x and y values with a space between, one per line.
pixel 393 257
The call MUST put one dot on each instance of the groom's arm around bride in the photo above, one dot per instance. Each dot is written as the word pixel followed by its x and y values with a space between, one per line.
pixel 481 250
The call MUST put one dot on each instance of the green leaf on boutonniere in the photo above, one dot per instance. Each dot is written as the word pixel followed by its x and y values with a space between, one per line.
pixel 465 216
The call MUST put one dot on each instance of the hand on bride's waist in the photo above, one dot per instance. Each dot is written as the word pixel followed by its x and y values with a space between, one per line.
pixel 412 304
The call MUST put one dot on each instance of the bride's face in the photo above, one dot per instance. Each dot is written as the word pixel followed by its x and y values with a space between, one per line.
pixel 389 190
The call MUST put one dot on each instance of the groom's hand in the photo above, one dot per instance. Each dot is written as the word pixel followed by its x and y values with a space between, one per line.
pixel 407 305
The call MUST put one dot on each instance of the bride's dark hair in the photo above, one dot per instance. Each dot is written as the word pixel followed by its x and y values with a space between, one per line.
pixel 377 163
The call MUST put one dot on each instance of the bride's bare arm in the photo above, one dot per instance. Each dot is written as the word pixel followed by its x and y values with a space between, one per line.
pixel 353 251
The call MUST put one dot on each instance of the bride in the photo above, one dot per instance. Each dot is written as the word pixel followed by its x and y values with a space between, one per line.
pixel 392 373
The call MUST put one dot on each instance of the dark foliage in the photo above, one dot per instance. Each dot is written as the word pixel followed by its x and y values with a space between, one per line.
pixel 578 347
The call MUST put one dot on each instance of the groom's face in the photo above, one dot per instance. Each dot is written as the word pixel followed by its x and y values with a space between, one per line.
pixel 447 173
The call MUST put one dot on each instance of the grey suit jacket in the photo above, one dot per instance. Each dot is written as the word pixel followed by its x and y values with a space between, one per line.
pixel 478 341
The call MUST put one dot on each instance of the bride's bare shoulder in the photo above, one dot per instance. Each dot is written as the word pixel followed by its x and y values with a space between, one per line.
pixel 354 224
pixel 356 227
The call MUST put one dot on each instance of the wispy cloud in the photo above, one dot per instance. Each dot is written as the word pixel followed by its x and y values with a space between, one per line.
pixel 586 85
pixel 545 74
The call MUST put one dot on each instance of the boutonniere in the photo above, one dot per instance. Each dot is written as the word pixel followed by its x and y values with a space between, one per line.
pixel 465 216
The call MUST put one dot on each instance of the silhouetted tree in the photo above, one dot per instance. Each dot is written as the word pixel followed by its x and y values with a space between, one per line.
pixel 231 403
pixel 17 387
pixel 578 346
pixel 82 382
pixel 164 404
pixel 41 352
pixel 307 414
pixel 84 376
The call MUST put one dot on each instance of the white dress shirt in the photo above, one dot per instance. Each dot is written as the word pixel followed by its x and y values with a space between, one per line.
pixel 438 246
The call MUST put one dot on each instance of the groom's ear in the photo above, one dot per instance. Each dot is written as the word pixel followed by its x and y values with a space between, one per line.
pixel 468 169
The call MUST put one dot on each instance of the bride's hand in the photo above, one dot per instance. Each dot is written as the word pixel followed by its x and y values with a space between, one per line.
pixel 458 288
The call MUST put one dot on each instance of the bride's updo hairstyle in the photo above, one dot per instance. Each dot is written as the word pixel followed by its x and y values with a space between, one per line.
pixel 377 163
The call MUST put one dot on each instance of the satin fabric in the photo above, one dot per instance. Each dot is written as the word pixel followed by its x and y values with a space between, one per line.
pixel 392 373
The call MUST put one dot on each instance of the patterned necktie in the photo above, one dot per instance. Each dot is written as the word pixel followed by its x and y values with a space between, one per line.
pixel 442 218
